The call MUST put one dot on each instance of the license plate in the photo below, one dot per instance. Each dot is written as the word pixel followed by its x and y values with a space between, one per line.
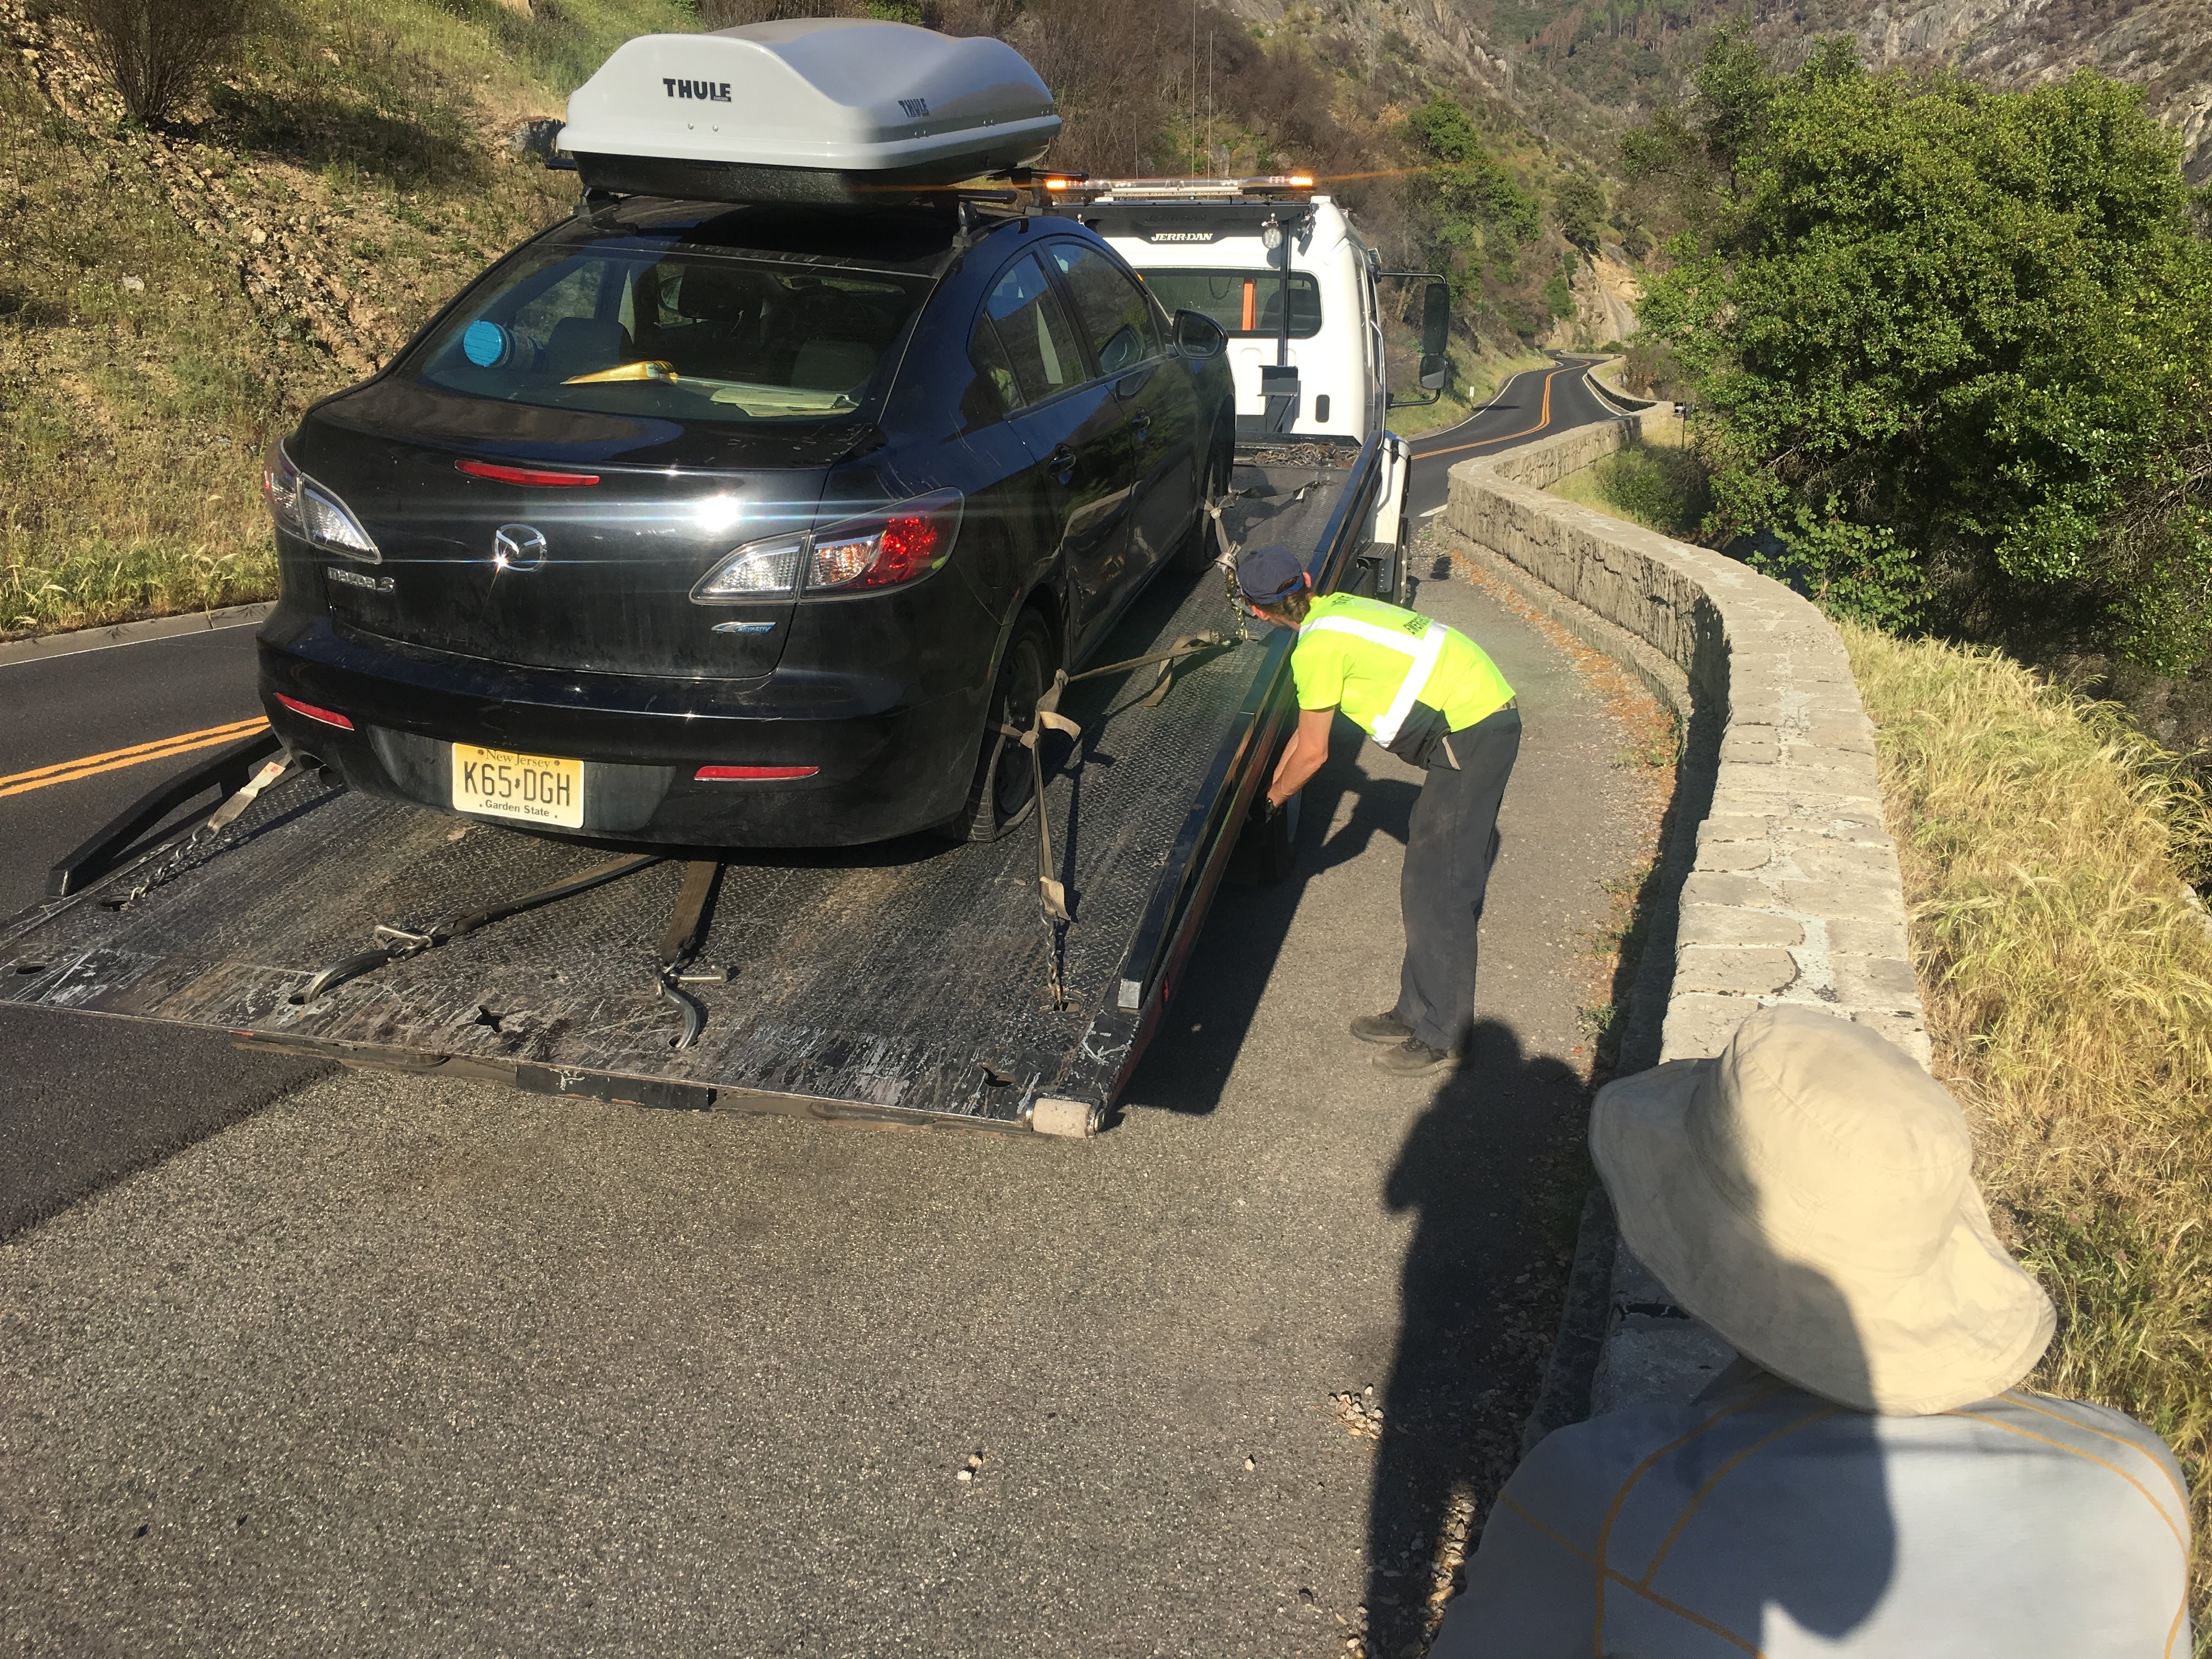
pixel 535 788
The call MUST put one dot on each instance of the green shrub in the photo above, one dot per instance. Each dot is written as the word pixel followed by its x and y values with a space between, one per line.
pixel 1950 344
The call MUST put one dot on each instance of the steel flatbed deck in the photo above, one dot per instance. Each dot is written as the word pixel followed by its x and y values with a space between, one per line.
pixel 911 983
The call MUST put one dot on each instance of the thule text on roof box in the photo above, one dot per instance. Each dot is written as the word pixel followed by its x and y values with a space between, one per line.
pixel 807 110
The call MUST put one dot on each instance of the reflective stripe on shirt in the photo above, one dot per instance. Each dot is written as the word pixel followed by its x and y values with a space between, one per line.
pixel 1423 651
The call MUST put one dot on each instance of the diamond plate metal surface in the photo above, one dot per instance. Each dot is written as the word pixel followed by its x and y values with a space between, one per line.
pixel 909 975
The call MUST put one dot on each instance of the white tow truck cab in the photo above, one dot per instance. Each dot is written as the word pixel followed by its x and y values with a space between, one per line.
pixel 1286 273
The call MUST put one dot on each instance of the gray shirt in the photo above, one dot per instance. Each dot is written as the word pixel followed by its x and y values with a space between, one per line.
pixel 1761 1519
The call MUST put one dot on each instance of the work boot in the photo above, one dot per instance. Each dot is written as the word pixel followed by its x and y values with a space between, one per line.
pixel 1380 1028
pixel 1413 1058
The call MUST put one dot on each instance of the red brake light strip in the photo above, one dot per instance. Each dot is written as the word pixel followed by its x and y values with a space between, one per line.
pixel 537 476
pixel 751 774
pixel 314 714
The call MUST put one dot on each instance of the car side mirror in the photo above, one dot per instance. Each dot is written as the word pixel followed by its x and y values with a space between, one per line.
pixel 1435 324
pixel 1435 367
pixel 1197 335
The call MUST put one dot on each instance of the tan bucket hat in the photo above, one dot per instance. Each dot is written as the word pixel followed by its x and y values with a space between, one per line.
pixel 1809 1195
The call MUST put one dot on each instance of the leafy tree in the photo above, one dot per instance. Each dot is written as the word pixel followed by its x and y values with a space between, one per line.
pixel 1951 345
pixel 1579 204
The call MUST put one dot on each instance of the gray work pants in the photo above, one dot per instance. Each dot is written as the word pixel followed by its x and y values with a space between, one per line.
pixel 1448 855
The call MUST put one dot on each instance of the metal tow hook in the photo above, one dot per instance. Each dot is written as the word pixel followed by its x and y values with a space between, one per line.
pixel 680 942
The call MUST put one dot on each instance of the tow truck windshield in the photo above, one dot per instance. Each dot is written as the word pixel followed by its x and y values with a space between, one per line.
pixel 1245 302
pixel 685 335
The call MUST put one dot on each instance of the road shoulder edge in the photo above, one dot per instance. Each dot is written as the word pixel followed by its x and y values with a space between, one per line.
pixel 42 648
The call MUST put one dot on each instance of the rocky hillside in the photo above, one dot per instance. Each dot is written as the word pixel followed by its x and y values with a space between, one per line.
pixel 1613 59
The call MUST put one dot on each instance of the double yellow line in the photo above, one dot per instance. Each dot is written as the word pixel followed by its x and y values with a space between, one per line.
pixel 1543 420
pixel 39 777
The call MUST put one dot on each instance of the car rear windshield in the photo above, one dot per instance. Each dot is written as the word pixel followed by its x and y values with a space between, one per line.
pixel 1241 302
pixel 684 334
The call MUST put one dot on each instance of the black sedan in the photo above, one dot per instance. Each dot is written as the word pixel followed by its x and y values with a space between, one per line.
pixel 728 526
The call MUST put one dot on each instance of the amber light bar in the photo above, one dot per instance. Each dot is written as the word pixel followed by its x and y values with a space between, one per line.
pixel 1197 189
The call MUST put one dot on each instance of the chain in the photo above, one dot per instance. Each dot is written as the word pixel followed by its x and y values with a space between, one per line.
pixel 219 820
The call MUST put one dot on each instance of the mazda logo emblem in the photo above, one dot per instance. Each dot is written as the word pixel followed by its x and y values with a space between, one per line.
pixel 518 547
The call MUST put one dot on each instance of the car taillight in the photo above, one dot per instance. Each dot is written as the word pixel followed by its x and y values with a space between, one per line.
pixel 311 511
pixel 537 477
pixel 751 774
pixel 882 549
pixel 328 717
pixel 759 570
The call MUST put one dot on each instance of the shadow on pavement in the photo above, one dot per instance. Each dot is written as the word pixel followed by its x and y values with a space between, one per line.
pixel 1204 1029
pixel 90 1099
pixel 1461 1337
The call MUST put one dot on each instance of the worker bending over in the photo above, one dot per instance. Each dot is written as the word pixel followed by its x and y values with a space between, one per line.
pixel 1430 696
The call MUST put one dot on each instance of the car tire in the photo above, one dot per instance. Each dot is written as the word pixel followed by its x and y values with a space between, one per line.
pixel 1199 550
pixel 1003 793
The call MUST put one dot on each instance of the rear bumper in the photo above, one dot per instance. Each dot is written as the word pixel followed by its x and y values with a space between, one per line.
pixel 884 767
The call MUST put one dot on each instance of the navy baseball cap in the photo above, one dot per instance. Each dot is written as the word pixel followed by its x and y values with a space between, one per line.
pixel 1269 575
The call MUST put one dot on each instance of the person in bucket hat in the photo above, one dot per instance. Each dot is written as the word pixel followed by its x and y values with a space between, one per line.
pixel 1431 697
pixel 1867 1478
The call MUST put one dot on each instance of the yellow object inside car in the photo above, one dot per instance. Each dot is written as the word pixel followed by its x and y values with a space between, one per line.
pixel 646 368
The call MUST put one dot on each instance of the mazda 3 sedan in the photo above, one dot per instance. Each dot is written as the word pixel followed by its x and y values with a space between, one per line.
pixel 729 526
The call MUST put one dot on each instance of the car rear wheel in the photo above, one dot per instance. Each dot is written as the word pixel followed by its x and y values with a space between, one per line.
pixel 1200 548
pixel 1004 793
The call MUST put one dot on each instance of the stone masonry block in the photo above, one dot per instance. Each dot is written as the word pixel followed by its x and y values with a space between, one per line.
pixel 1825 757
pixel 1718 924
pixel 1863 895
pixel 1819 856
pixel 1875 981
pixel 1698 1026
pixel 1715 887
pixel 1741 972
pixel 1734 826
pixel 1853 731
pixel 1733 854
pixel 1868 936
pixel 1753 745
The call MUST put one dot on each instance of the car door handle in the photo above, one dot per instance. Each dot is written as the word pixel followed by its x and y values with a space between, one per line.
pixel 1061 463
pixel 1142 426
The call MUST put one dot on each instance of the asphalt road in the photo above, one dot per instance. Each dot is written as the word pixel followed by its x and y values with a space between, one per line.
pixel 88 1099
pixel 1539 402
pixel 387 1365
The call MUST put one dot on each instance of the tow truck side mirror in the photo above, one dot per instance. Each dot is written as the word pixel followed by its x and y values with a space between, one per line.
pixel 1198 336
pixel 1435 369
pixel 1436 326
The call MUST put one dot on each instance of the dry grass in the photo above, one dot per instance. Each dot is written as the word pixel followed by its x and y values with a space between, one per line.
pixel 170 301
pixel 2069 980
pixel 1658 481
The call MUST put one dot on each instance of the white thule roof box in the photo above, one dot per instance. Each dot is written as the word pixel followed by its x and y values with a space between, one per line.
pixel 818 109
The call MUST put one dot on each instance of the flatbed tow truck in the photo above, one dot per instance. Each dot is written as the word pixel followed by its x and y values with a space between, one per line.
pixel 1010 986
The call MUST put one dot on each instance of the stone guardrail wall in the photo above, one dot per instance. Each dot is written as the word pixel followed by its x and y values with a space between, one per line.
pixel 1777 881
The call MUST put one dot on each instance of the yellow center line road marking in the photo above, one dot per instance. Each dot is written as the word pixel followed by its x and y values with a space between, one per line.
pixel 1543 421
pixel 19 783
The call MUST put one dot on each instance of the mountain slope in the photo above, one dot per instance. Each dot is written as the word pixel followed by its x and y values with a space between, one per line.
pixel 1616 59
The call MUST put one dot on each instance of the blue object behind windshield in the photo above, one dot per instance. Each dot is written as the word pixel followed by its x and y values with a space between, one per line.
pixel 485 343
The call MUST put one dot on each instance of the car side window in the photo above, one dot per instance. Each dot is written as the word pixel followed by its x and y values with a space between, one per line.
pixel 1034 331
pixel 1114 310
pixel 995 392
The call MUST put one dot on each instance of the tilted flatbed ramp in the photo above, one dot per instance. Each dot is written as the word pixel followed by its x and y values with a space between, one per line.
pixel 909 982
